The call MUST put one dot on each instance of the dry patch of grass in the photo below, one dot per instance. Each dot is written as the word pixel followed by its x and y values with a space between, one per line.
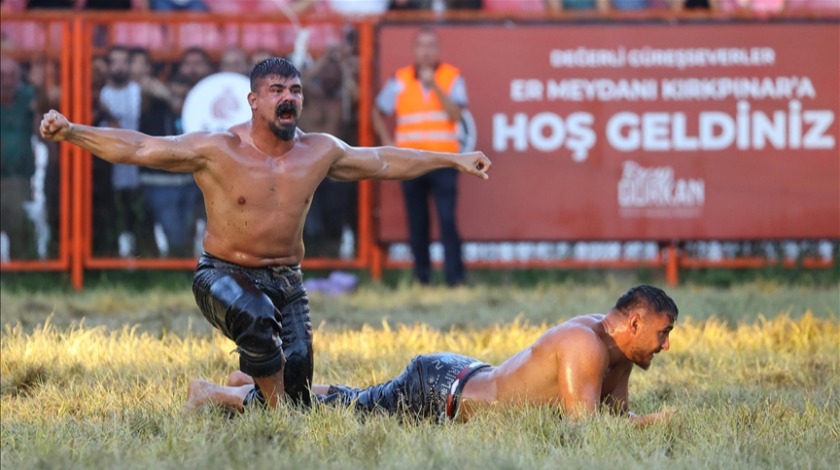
pixel 758 393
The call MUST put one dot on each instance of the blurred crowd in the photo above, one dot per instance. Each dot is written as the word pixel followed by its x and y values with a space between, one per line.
pixel 141 212
pixel 142 74
pixel 298 7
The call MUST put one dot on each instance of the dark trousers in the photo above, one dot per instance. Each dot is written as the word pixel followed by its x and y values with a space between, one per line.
pixel 442 184
pixel 14 192
pixel 265 311
pixel 173 207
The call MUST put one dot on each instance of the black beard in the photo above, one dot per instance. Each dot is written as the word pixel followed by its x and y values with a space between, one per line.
pixel 119 79
pixel 285 132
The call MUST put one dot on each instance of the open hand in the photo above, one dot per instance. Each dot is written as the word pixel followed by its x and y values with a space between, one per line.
pixel 54 126
pixel 474 163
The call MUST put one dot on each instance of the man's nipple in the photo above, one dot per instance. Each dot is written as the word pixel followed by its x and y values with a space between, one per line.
pixel 241 200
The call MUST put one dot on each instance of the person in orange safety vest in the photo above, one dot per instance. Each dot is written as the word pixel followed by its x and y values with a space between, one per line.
pixel 427 99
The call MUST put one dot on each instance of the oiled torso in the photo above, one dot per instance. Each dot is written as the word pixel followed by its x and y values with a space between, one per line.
pixel 256 201
pixel 532 375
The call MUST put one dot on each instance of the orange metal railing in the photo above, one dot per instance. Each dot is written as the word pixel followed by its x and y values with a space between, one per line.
pixel 49 30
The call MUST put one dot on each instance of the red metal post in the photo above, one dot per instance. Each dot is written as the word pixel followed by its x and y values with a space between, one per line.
pixel 76 167
pixel 672 266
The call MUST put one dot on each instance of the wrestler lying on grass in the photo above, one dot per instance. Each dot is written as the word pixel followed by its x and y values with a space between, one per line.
pixel 578 365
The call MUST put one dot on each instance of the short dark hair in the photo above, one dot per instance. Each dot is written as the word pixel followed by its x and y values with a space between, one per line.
pixel 198 51
pixel 116 48
pixel 651 297
pixel 272 66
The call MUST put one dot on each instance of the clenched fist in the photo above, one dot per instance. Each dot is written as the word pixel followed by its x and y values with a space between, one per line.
pixel 54 126
pixel 474 163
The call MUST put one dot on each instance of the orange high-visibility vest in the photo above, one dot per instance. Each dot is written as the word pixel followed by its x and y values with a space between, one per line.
pixel 422 121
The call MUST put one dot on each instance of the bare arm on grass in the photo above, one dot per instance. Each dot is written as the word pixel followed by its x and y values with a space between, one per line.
pixel 617 403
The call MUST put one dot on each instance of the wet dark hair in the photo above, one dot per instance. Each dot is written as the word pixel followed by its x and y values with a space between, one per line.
pixel 651 297
pixel 272 66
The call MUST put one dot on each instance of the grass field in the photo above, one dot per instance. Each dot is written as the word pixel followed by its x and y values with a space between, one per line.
pixel 98 379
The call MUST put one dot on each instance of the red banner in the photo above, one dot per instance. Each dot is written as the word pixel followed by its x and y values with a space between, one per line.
pixel 642 132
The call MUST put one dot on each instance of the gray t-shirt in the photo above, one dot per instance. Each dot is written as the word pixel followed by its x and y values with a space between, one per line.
pixel 124 104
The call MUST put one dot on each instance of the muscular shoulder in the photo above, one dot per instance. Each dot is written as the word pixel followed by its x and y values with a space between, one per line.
pixel 577 339
pixel 207 143
pixel 207 138
pixel 321 143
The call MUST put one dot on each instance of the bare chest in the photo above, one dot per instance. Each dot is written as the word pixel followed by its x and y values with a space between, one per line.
pixel 263 182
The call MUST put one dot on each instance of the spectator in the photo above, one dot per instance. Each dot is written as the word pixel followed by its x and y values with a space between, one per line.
pixel 464 4
pixel 194 65
pixel 427 99
pixel 17 162
pixel 520 6
pixel 691 4
pixel 259 55
pixel 178 5
pixel 356 8
pixel 103 191
pixel 819 6
pixel 635 5
pixel 141 70
pixel 287 7
pixel 43 76
pixel 577 5
pixel 179 86
pixel 761 7
pixel 402 5
pixel 114 4
pixel 51 4
pixel 170 198
pixel 120 100
pixel 234 60
pixel 332 209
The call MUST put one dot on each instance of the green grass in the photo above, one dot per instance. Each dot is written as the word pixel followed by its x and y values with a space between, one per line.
pixel 753 371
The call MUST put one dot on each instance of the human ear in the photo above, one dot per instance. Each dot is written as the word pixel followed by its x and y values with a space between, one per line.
pixel 252 99
pixel 633 321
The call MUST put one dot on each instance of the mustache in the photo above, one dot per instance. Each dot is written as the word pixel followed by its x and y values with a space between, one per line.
pixel 286 107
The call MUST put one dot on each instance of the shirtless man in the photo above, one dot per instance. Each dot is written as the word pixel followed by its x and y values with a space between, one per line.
pixel 258 179
pixel 577 365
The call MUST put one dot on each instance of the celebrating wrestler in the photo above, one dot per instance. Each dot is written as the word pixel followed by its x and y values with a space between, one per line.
pixel 258 179
pixel 579 365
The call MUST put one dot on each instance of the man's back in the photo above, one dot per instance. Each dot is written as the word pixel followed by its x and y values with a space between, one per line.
pixel 533 375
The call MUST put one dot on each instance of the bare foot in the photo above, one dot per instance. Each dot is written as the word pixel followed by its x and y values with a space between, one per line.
pixel 238 378
pixel 199 393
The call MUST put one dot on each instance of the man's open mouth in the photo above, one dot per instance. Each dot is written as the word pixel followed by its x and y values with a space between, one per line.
pixel 286 113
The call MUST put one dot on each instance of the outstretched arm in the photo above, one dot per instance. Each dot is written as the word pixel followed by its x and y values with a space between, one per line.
pixel 178 153
pixel 355 163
